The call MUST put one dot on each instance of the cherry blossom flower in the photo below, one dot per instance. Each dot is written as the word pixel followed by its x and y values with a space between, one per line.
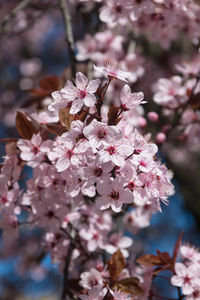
pixel 116 152
pixel 98 133
pixel 94 237
pixel 91 279
pixel 195 295
pixel 130 100
pixel 170 92
pixel 189 252
pixel 34 150
pixel 113 195
pixel 116 242
pixel 95 293
pixel 77 96
pixel 114 12
pixel 112 70
pixel 186 277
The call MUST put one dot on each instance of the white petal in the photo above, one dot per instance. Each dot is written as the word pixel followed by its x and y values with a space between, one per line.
pixel 76 106
pixel 89 100
pixel 81 81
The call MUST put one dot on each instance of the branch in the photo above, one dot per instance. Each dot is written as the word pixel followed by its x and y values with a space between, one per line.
pixel 69 34
pixel 12 14
pixel 66 290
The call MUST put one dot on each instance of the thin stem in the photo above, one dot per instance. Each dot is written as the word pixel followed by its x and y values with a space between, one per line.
pixel 66 290
pixel 180 296
pixel 12 14
pixel 108 83
pixel 69 34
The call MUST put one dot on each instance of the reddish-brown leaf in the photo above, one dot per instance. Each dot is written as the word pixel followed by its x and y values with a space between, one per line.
pixel 116 264
pixel 65 117
pixel 150 259
pixel 195 101
pixel 177 246
pixel 50 83
pixel 129 285
pixel 164 256
pixel 112 115
pixel 8 140
pixel 24 126
pixel 47 85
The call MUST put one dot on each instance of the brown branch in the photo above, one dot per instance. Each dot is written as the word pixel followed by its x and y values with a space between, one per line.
pixel 23 4
pixel 69 34
pixel 66 291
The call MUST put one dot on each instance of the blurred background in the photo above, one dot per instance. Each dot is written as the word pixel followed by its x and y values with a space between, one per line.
pixel 33 46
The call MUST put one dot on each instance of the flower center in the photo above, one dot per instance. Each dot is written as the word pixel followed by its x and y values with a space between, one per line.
pixel 111 150
pixel 131 185
pixel 114 195
pixel 186 279
pixel 101 134
pixel 69 153
pixel 82 94
pixel 118 8
pixel 113 73
pixel 35 150
pixel 98 172
pixel 50 214
pixel 4 199
pixel 143 164
pixel 93 282
pixel 196 294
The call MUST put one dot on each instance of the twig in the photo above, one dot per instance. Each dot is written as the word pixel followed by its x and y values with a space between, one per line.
pixel 12 14
pixel 180 296
pixel 69 34
pixel 66 290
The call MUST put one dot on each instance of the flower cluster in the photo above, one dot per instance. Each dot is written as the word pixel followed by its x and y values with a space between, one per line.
pixel 166 19
pixel 178 96
pixel 187 273
pixel 99 167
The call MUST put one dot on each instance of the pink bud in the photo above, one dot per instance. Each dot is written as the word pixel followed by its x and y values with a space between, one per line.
pixel 160 137
pixel 142 122
pixel 153 116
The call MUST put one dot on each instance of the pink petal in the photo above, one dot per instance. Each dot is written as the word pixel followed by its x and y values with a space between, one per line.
pixel 62 164
pixel 76 106
pixel 92 86
pixel 81 81
pixel 89 100
pixel 180 269
pixel 176 280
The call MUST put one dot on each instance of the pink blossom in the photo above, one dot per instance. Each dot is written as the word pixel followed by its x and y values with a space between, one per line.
pixel 10 225
pixel 116 242
pixel 33 151
pixel 195 295
pixel 113 195
pixel 170 92
pixel 99 133
pixel 91 279
pixel 116 152
pixel 112 70
pixel 160 137
pixel 153 116
pixel 94 237
pixel 95 293
pixel 130 100
pixel 79 95
pixel 186 277
pixel 114 12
